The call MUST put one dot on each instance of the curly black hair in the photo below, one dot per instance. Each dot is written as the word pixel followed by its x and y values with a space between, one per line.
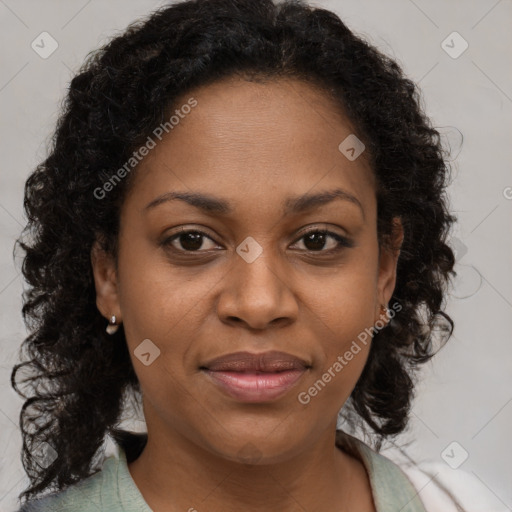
pixel 77 377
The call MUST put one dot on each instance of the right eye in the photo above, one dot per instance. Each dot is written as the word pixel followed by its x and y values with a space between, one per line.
pixel 191 240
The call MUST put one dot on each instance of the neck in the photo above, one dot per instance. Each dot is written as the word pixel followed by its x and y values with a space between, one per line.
pixel 182 474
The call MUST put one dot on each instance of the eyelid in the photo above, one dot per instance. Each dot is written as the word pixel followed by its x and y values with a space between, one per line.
pixel 342 240
pixel 303 231
pixel 318 227
pixel 167 239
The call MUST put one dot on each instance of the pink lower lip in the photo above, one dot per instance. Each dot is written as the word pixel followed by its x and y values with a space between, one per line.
pixel 255 387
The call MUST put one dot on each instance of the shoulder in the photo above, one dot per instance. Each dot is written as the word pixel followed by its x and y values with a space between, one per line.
pixel 450 490
pixel 435 485
pixel 88 495
pixel 391 488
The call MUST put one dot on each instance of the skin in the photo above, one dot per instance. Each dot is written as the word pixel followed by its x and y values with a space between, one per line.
pixel 254 145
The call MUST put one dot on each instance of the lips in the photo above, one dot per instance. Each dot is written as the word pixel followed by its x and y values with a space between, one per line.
pixel 272 361
pixel 248 377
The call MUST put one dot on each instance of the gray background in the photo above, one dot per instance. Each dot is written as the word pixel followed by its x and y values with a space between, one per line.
pixel 465 394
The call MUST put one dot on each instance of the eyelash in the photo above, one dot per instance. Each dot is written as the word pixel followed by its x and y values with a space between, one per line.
pixel 343 242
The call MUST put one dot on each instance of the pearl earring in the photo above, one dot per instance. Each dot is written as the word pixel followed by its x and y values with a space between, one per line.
pixel 112 327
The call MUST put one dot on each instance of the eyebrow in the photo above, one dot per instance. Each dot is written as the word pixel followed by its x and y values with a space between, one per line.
pixel 293 205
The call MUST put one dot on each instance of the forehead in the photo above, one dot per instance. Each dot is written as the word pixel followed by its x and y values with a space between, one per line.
pixel 249 139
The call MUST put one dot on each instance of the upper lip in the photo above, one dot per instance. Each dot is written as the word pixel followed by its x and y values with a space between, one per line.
pixel 272 361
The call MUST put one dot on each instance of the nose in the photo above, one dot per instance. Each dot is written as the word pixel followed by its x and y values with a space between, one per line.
pixel 257 295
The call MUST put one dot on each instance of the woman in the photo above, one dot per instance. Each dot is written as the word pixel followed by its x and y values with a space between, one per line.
pixel 243 220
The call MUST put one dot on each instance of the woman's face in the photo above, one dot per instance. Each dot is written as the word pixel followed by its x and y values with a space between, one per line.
pixel 256 148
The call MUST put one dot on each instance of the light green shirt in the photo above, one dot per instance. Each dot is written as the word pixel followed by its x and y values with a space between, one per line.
pixel 113 490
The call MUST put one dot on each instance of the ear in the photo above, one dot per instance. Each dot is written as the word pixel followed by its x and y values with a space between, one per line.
pixel 105 281
pixel 388 260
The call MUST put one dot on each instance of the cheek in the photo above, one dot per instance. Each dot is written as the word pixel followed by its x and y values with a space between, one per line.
pixel 157 299
pixel 343 333
pixel 341 314
pixel 343 303
pixel 166 309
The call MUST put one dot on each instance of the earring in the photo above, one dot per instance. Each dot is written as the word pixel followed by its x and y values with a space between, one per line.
pixel 112 327
pixel 385 310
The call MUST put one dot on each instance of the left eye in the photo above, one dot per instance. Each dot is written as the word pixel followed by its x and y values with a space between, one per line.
pixel 192 241
pixel 318 238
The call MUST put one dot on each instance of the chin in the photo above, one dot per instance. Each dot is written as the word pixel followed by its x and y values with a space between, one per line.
pixel 257 447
